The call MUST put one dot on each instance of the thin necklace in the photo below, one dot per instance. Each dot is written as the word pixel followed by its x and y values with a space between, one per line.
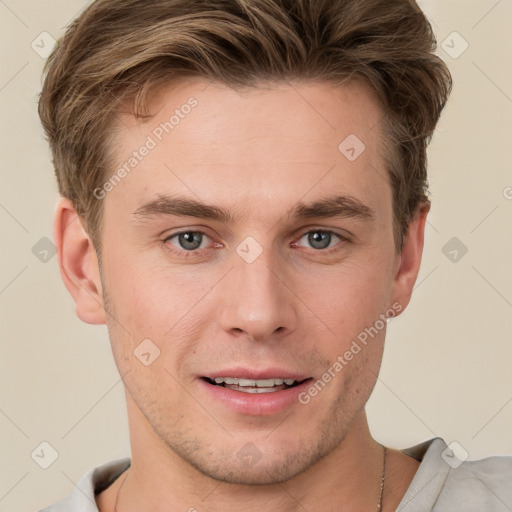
pixel 379 506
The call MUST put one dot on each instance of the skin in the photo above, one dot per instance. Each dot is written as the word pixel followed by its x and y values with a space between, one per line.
pixel 257 153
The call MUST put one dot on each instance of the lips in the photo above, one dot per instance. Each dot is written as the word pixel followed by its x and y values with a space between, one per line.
pixel 255 392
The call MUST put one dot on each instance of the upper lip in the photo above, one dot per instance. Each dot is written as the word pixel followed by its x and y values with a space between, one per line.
pixel 254 374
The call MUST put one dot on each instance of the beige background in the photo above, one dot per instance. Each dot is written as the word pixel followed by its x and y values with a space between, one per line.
pixel 446 369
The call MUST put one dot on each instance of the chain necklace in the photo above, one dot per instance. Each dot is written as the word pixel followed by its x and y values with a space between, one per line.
pixel 379 506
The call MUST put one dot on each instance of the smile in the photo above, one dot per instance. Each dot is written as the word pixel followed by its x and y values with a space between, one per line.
pixel 253 385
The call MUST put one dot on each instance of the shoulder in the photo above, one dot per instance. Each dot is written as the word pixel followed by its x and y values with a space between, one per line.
pixel 484 484
pixel 445 482
pixel 94 481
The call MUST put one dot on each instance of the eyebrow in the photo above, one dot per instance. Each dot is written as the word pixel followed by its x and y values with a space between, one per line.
pixel 330 207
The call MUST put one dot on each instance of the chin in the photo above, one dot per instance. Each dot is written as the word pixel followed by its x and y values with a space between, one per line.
pixel 263 472
pixel 249 465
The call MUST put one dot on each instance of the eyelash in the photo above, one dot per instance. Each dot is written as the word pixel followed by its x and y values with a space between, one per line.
pixel 189 254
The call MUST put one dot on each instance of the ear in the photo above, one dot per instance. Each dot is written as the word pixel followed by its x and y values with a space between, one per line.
pixel 78 263
pixel 407 263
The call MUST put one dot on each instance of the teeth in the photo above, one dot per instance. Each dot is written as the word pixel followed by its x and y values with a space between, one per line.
pixel 265 383
pixel 243 382
pixel 257 390
pixel 261 383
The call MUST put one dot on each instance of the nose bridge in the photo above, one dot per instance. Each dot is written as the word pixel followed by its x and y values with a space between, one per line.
pixel 257 301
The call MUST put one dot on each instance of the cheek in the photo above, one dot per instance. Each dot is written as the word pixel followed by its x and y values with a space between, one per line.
pixel 153 301
pixel 351 297
pixel 143 291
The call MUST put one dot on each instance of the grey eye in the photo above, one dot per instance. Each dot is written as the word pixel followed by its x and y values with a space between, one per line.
pixel 189 240
pixel 319 239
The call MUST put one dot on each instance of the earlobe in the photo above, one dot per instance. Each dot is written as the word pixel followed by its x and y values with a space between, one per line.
pixel 78 263
pixel 409 259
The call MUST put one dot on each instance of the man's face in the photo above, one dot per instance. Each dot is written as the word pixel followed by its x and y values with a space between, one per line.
pixel 273 290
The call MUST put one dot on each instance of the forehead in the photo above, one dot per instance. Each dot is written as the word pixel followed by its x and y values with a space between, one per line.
pixel 275 142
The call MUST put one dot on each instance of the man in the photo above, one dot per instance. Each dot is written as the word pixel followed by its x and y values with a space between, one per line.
pixel 243 204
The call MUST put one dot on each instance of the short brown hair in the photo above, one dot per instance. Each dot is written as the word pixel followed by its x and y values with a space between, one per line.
pixel 120 49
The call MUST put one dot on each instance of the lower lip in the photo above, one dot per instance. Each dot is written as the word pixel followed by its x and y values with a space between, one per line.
pixel 257 404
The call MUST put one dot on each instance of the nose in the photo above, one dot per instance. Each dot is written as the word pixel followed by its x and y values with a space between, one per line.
pixel 258 304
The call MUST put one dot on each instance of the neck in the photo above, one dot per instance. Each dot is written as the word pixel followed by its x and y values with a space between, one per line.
pixel 159 480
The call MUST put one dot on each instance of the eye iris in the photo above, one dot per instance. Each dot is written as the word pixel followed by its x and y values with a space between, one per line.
pixel 319 239
pixel 190 240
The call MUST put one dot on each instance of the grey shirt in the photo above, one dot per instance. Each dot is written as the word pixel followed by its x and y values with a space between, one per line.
pixel 439 486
